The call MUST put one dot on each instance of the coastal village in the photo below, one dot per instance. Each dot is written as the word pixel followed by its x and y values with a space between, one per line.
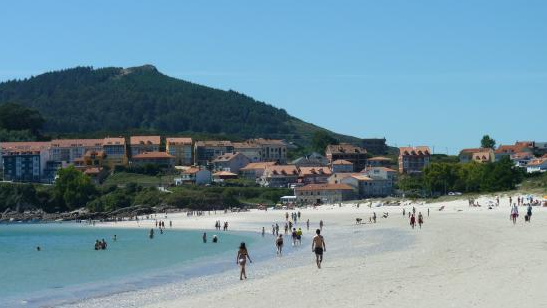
pixel 342 172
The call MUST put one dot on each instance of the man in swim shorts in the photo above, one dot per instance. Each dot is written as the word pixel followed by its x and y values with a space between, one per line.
pixel 318 246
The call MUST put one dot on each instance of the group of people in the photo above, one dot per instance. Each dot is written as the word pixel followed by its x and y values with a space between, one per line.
pixel 219 225
pixel 100 245
pixel 515 213
pixel 214 240
pixel 413 219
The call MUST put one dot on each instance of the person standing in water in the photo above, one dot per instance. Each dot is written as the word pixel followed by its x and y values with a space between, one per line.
pixel 263 231
pixel 242 256
pixel 318 247
pixel 279 244
pixel 321 225
pixel 151 234
pixel 204 237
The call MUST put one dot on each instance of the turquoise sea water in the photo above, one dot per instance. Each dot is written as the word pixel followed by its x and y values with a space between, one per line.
pixel 68 268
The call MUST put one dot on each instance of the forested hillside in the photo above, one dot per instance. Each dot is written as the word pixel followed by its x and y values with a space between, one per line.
pixel 83 100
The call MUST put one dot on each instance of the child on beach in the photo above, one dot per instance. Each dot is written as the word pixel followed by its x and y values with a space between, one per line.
pixel 412 221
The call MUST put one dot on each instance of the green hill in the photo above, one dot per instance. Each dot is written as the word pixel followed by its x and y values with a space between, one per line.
pixel 83 101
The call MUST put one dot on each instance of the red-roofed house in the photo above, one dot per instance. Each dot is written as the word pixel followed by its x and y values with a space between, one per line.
pixel 413 159
pixel 314 175
pixel 231 162
pixel 194 175
pixel 508 150
pixel 181 149
pixel 279 176
pixel 341 165
pixel 323 193
pixel 141 144
pixel 356 155
pixel 537 165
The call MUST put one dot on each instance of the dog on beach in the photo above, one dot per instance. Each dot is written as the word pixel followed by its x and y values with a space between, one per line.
pixel 358 221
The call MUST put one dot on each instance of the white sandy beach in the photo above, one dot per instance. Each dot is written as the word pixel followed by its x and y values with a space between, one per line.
pixel 462 257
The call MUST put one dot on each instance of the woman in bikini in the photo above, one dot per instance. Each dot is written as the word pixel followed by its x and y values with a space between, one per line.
pixel 242 256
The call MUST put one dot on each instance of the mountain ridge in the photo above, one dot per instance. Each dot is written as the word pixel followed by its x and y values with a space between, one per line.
pixel 84 100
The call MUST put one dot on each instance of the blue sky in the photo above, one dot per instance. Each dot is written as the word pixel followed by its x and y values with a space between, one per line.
pixel 437 73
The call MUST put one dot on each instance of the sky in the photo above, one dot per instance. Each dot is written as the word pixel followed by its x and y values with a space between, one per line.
pixel 439 73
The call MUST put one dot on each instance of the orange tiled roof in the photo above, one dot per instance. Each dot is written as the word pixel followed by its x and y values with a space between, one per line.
pixel 114 141
pixel 304 171
pixel 191 170
pixel 521 155
pixel 379 158
pixel 213 143
pixel 67 143
pixel 537 161
pixel 509 149
pixel 361 177
pixel 136 140
pixel 226 157
pixel 261 165
pixel 178 141
pixel 25 146
pixel 147 155
pixel 281 170
pixel 224 173
pixel 482 156
pixel 415 151
pixel 341 162
pixel 343 175
pixel 345 148
pixel 314 187
pixel 378 168
pixel 245 145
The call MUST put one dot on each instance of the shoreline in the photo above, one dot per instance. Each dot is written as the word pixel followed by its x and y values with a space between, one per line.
pixel 388 259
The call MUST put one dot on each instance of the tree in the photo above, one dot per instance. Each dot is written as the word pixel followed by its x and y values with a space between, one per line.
pixel 16 117
pixel 73 188
pixel 487 142
pixel 321 139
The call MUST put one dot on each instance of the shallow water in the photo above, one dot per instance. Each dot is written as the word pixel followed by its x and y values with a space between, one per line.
pixel 69 269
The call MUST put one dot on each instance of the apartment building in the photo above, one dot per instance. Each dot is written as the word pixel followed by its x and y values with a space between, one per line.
pixel 181 149
pixel 413 159
pixel 142 144
pixel 345 151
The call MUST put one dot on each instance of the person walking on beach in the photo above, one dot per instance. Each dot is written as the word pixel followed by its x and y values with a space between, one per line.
pixel 276 229
pixel 412 221
pixel 299 236
pixel 321 225
pixel 529 212
pixel 318 247
pixel 308 224
pixel 286 228
pixel 514 213
pixel 241 259
pixel 293 234
pixel 420 219
pixel 279 244
pixel 403 212
pixel 427 212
